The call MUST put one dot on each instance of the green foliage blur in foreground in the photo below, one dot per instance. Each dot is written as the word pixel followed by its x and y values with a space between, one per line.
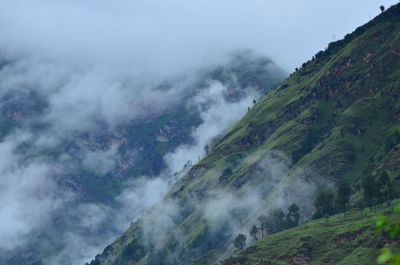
pixel 384 224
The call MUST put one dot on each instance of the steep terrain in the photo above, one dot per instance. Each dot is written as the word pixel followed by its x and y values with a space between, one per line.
pixel 338 117
pixel 95 165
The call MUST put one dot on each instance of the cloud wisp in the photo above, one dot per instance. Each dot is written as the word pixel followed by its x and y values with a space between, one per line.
pixel 222 213
pixel 74 103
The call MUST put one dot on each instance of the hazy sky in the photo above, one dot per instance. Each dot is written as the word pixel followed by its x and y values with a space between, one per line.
pixel 173 35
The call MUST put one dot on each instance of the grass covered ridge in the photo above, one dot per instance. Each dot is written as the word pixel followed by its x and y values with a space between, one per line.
pixel 336 240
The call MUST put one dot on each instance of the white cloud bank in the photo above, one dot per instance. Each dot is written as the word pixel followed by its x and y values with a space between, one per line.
pixel 174 35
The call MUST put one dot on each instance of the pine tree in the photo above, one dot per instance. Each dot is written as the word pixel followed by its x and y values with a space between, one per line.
pixel 254 232
pixel 343 193
pixel 385 187
pixel 293 216
pixel 207 149
pixel 277 218
pixel 370 190
pixel 263 222
pixel 240 241
pixel 324 203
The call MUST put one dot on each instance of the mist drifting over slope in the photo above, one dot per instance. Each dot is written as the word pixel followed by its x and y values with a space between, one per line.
pixel 48 150
pixel 91 65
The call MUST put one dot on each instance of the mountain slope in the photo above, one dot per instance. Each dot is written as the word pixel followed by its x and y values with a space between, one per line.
pixel 337 240
pixel 337 117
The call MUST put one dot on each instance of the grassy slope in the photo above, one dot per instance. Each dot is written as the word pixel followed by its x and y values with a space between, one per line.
pixel 324 241
pixel 348 101
pixel 337 116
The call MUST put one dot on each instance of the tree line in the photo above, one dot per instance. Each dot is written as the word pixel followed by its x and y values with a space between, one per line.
pixel 275 222
pixel 376 190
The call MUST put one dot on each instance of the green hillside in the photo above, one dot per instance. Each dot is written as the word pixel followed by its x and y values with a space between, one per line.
pixel 336 240
pixel 338 117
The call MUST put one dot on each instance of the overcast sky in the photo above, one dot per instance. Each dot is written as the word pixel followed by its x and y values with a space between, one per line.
pixel 173 35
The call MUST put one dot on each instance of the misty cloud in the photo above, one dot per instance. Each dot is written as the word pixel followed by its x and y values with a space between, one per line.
pixel 97 225
pixel 227 212
pixel 170 36
pixel 217 114
pixel 28 197
pixel 101 162
pixel 277 186
pixel 142 194
pixel 76 102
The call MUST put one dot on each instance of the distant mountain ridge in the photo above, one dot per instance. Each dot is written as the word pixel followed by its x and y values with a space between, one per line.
pixel 138 145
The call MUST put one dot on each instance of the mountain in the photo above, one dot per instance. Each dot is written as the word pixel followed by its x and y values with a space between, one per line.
pixel 91 168
pixel 335 118
pixel 154 134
